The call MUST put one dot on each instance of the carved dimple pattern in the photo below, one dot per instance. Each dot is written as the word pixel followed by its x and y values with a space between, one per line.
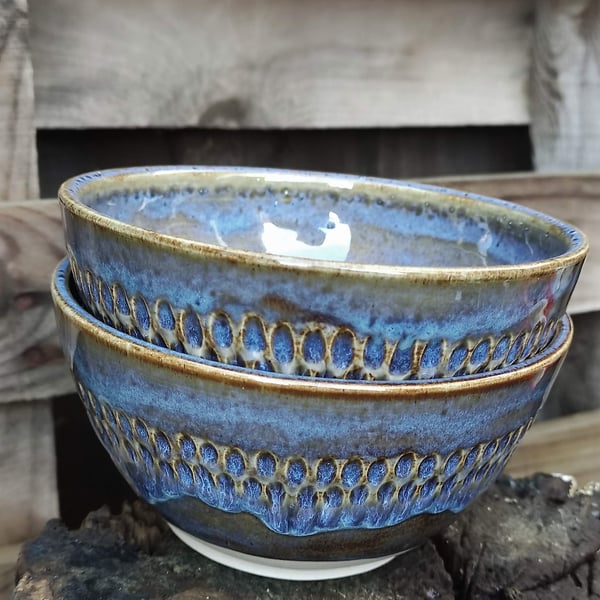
pixel 313 349
pixel 292 494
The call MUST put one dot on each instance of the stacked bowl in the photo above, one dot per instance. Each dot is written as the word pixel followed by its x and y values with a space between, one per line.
pixel 308 373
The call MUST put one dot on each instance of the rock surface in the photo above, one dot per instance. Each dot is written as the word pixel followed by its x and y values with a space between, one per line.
pixel 524 539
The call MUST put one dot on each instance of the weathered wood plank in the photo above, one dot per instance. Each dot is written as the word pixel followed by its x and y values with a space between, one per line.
pixel 8 562
pixel 574 198
pixel 31 244
pixel 565 85
pixel 27 470
pixel 280 63
pixel 567 445
pixel 18 161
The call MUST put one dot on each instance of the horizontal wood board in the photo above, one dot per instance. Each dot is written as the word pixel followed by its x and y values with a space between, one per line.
pixel 280 63
pixel 31 244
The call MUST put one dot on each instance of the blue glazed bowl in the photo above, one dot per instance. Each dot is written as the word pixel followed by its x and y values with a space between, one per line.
pixel 318 274
pixel 289 469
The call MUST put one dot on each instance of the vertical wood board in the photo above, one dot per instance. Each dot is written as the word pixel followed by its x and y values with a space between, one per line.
pixel 18 160
pixel 31 244
pixel 27 470
pixel 565 85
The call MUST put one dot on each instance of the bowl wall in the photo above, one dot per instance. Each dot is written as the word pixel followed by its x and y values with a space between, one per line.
pixel 418 310
pixel 286 467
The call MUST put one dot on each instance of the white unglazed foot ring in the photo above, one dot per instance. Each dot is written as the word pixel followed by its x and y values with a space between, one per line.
pixel 297 570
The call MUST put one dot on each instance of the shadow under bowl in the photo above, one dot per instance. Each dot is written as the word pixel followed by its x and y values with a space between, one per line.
pixel 265 472
pixel 318 274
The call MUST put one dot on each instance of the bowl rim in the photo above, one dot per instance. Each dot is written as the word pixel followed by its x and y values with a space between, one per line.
pixel 577 242
pixel 66 304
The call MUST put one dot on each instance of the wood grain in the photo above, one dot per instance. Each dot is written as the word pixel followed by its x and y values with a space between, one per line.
pixel 18 161
pixel 8 560
pixel 31 244
pixel 27 470
pixel 574 198
pixel 279 63
pixel 565 85
pixel 567 445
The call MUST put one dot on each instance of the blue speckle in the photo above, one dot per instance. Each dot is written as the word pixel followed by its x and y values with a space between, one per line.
pixel 326 472
pixel 359 495
pixel 206 482
pixel 501 348
pixel 276 494
pixel 192 330
pixel 377 472
pixel 385 493
pixel 404 466
pixel 452 464
pixel 209 454
pixel 448 485
pixel 401 361
pixel 221 331
pixel 94 291
pixel 342 350
pixel 457 358
pixel 515 350
pixel 307 498
pixel 489 451
pixel 427 467
pixel 166 320
pixel 431 355
pixel 296 472
pixel 125 426
pixel 226 491
pixel 107 298
pixel 234 463
pixel 471 458
pixel 166 471
pixel 185 475
pixel 503 442
pixel 162 445
pixel 351 474
pixel 146 457
pixel 333 497
pixel 130 452
pixel 283 344
pixel 314 347
pixel 374 353
pixel 254 336
pixel 140 311
pixel 188 448
pixel 265 465
pixel 405 494
pixel 252 489
pixel 480 353
pixel 121 301
pixel 428 488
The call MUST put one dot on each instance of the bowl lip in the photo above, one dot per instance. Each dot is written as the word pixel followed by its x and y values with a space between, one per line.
pixel 576 252
pixel 163 358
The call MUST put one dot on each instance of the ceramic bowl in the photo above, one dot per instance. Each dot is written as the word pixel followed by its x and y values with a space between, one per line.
pixel 318 274
pixel 290 476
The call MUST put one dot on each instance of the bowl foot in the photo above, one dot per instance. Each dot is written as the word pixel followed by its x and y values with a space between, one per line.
pixel 297 570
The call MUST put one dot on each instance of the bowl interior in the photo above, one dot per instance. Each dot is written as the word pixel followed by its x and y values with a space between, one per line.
pixel 324 217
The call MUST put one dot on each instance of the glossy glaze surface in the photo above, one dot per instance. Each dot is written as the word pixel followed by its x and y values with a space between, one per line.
pixel 284 466
pixel 424 282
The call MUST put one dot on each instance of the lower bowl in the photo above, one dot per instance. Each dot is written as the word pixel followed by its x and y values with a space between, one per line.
pixel 293 477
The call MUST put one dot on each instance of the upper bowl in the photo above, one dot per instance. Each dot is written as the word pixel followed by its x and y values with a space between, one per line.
pixel 276 470
pixel 318 274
